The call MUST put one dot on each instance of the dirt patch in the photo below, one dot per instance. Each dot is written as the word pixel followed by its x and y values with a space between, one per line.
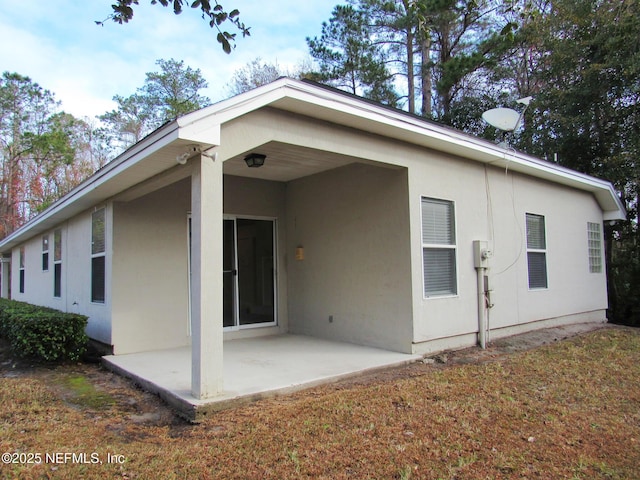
pixel 495 349
pixel 89 386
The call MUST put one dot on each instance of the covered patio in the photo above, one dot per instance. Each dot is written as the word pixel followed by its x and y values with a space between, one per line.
pixel 254 368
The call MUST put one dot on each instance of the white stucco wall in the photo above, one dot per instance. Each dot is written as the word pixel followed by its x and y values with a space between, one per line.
pixel 150 275
pixel 353 225
pixel 150 270
pixel 76 274
pixel 491 205
pixel 360 227
pixel 572 289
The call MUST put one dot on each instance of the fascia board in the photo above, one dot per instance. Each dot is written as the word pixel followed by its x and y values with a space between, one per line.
pixel 205 133
pixel 604 192
pixel 212 117
pixel 399 125
pixel 343 109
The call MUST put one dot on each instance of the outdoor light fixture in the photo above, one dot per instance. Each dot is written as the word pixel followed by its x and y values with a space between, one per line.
pixel 255 160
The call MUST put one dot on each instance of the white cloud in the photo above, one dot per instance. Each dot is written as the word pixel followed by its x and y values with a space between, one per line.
pixel 60 47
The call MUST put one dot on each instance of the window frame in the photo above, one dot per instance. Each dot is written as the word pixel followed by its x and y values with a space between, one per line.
pixel 536 251
pixel 594 247
pixel 45 253
pixel 21 265
pixel 99 256
pixel 57 263
pixel 449 247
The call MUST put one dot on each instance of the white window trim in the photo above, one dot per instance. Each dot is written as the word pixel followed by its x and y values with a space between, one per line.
pixel 57 262
pixel 22 275
pixel 103 253
pixel 537 250
pixel 440 246
pixel 45 250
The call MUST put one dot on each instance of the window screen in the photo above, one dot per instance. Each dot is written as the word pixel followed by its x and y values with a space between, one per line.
pixel 98 243
pixel 97 279
pixel 57 245
pixel 21 270
pixel 97 232
pixel 45 253
pixel 536 251
pixel 438 247
pixel 57 280
pixel 57 263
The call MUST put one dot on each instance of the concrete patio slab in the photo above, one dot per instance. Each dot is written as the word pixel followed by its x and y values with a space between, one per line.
pixel 253 369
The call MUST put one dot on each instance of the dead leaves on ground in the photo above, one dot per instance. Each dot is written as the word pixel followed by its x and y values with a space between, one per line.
pixel 568 410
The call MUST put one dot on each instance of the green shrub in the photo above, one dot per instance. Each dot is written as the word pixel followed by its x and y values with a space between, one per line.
pixel 42 333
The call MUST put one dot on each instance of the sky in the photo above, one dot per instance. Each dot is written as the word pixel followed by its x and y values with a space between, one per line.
pixel 59 46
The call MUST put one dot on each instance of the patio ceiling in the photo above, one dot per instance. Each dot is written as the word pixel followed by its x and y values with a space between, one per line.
pixel 288 162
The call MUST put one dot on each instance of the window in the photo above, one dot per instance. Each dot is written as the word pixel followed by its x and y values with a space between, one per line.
pixel 98 256
pixel 438 248
pixel 536 251
pixel 57 263
pixel 45 253
pixel 21 286
pixel 595 247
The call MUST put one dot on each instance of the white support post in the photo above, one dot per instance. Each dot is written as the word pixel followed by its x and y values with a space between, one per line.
pixel 206 286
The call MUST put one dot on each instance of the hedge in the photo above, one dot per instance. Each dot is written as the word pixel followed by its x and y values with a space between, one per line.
pixel 42 333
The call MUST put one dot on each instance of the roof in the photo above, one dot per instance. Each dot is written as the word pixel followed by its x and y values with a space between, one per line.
pixel 157 152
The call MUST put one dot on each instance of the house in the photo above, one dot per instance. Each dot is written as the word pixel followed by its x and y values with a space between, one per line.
pixel 365 225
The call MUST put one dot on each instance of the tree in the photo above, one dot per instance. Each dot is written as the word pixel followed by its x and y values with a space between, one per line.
pixel 349 59
pixel 257 73
pixel 435 50
pixel 467 40
pixel 216 16
pixel 394 29
pixel 42 150
pixel 165 95
pixel 174 90
pixel 254 74
pixel 586 116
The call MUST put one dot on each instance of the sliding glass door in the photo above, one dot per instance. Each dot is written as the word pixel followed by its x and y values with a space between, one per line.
pixel 249 273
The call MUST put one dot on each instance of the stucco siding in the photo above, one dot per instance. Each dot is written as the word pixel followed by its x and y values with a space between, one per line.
pixel 441 177
pixel 75 277
pixel 150 271
pixel 354 282
pixel 491 205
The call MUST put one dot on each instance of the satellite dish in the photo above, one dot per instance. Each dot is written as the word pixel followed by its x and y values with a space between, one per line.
pixel 505 119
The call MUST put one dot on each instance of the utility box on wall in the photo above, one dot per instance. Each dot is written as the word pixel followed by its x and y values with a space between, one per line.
pixel 481 254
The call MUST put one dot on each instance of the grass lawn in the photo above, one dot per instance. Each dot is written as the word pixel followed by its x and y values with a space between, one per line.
pixel 567 410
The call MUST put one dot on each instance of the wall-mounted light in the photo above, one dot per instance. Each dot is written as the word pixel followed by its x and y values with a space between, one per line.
pixel 255 160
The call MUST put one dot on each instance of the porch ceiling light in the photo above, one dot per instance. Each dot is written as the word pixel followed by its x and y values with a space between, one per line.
pixel 255 160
